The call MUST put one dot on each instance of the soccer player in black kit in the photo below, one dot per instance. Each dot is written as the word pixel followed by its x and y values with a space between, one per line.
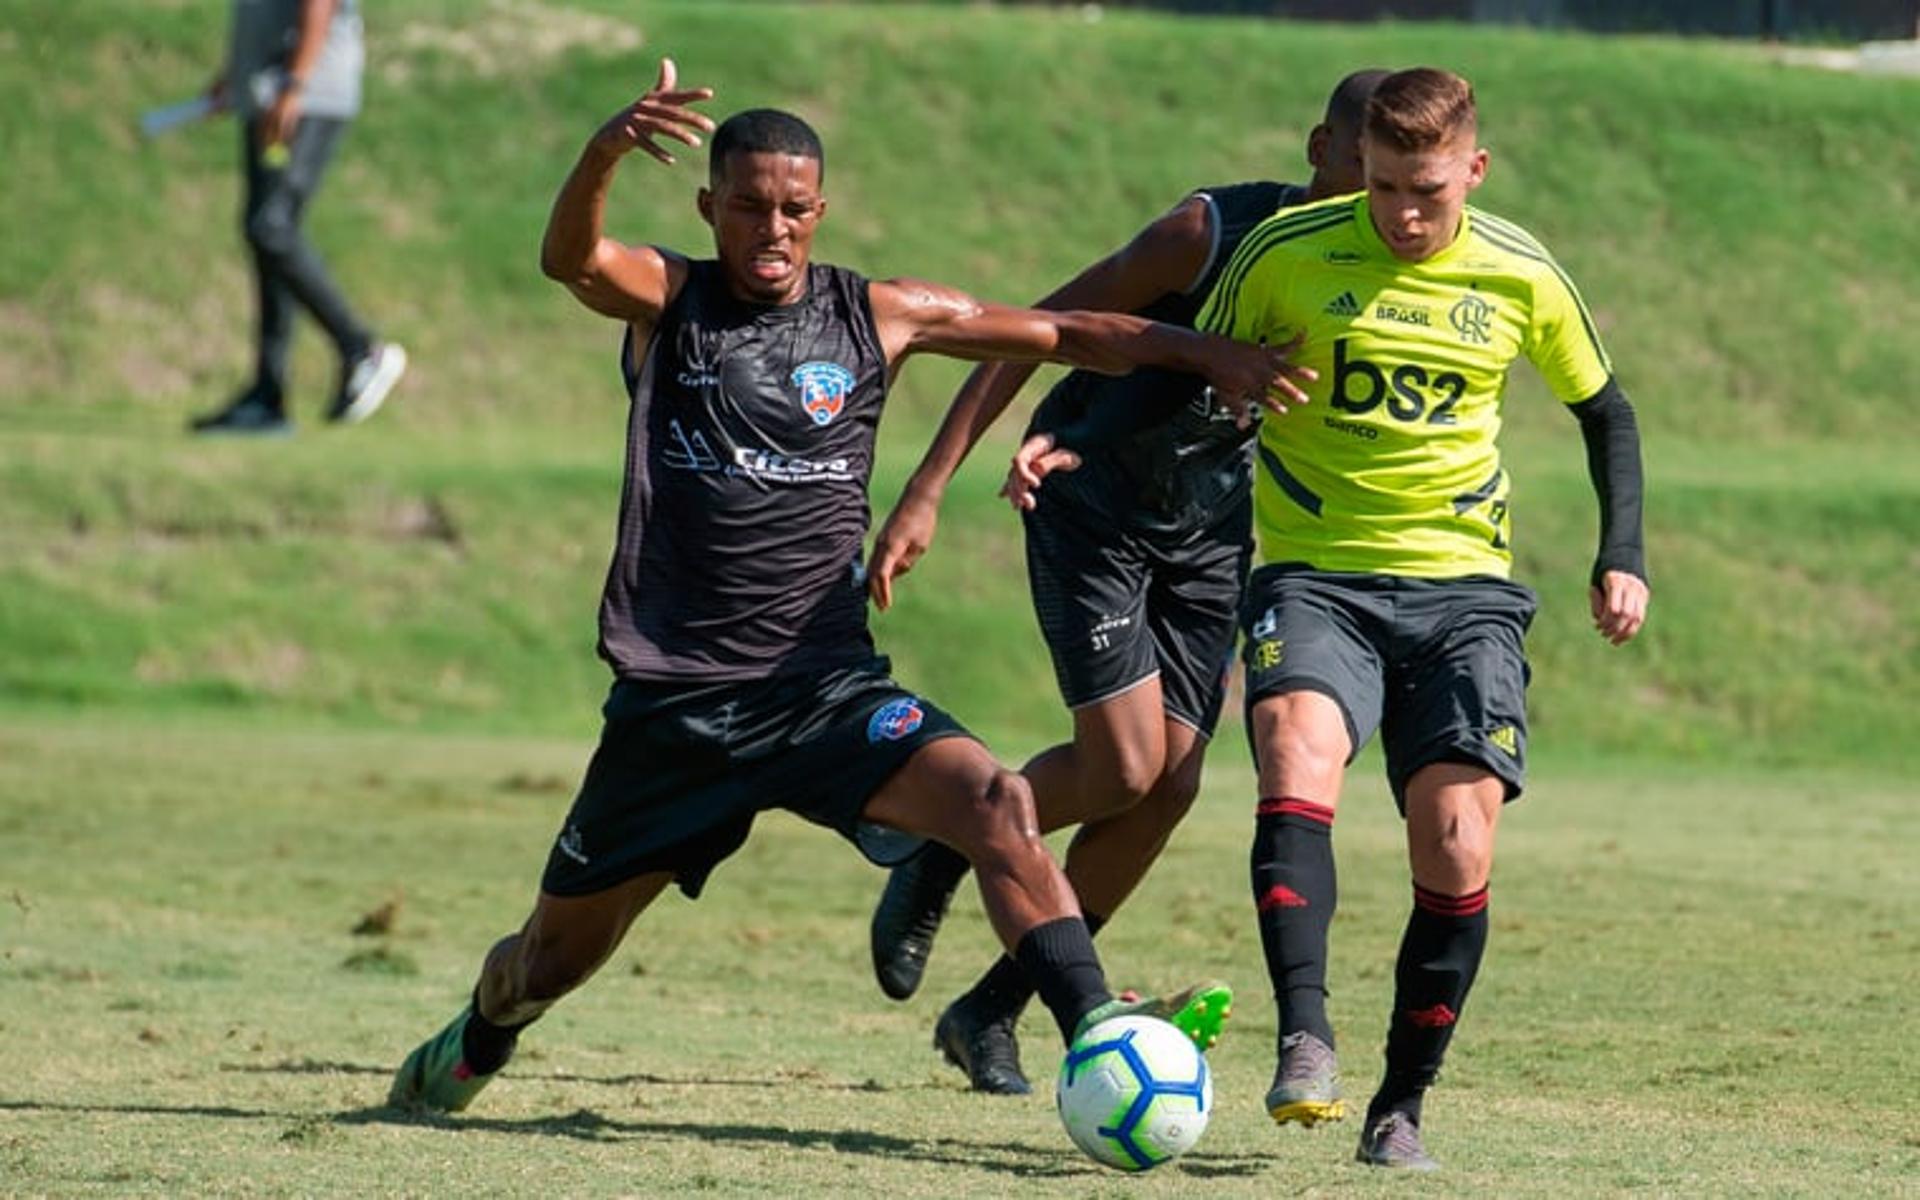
pixel 1137 559
pixel 734 615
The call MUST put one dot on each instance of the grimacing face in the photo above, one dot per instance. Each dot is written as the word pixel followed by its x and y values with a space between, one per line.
pixel 764 209
pixel 1416 197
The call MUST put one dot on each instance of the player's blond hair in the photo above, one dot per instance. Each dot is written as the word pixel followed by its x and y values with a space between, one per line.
pixel 1421 108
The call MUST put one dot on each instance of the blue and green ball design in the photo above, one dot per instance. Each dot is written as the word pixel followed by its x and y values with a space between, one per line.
pixel 1134 1093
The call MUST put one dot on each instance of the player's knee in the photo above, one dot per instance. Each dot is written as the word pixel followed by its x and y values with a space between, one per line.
pixel 1467 847
pixel 1174 795
pixel 1455 855
pixel 1304 751
pixel 1121 782
pixel 1004 825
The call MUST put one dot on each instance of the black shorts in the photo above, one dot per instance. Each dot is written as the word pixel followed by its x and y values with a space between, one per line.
pixel 1439 666
pixel 1117 606
pixel 683 769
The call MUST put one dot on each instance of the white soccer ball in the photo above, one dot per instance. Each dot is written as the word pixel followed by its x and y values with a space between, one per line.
pixel 1134 1092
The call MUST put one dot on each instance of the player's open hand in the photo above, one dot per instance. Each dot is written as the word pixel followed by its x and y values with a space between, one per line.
pixel 1037 458
pixel 1619 606
pixel 661 112
pixel 904 537
pixel 1244 376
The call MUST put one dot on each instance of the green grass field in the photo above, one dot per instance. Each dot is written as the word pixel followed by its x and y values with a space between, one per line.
pixel 250 694
pixel 1698 982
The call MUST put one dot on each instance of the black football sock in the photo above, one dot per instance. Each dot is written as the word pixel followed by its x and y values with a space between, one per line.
pixel 486 1047
pixel 1058 957
pixel 1439 955
pixel 1294 893
pixel 1004 990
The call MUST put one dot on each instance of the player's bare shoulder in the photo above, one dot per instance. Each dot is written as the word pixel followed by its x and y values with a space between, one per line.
pixel 670 267
pixel 907 310
pixel 1171 253
pixel 1188 225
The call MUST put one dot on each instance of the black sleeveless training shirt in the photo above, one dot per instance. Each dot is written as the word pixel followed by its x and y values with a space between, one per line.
pixel 1157 454
pixel 749 445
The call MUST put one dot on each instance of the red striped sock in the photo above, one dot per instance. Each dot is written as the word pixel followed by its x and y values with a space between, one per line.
pixel 1294 894
pixel 1440 954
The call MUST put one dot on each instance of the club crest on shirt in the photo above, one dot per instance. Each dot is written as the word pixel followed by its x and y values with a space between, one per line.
pixel 824 388
pixel 895 719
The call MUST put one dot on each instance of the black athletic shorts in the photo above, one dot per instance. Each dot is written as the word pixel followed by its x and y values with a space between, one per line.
pixel 1118 605
pixel 1439 666
pixel 683 769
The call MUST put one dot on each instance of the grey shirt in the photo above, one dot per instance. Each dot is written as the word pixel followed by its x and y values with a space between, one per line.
pixel 264 35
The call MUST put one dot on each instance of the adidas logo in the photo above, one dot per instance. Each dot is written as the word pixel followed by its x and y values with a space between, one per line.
pixel 1437 1017
pixel 1344 305
pixel 1280 896
pixel 1507 739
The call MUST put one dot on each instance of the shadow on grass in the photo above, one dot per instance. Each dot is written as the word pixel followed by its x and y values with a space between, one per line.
pixel 225 1111
pixel 1000 1157
pixel 798 1079
pixel 1006 1158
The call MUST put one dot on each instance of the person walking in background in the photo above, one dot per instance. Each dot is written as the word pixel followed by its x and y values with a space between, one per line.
pixel 1384 600
pixel 1137 559
pixel 293 76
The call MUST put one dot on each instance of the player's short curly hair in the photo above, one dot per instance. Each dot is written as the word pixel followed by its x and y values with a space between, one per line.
pixel 764 131
pixel 1421 108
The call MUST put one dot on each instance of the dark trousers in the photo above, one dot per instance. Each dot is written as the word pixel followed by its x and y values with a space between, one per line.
pixel 286 267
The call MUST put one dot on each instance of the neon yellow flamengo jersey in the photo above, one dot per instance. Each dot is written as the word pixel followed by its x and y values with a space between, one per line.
pixel 1392 469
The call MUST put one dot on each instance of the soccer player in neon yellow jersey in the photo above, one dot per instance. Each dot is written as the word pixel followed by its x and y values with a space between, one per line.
pixel 1383 598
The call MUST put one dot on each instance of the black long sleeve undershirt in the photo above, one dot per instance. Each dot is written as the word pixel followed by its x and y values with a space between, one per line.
pixel 1612 434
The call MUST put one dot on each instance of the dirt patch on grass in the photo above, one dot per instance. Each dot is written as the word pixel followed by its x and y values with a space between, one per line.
pixel 424 517
pixel 1868 58
pixel 506 37
pixel 29 359
pixel 271 668
pixel 163 349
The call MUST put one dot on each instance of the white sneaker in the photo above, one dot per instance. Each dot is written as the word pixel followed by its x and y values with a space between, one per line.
pixel 368 380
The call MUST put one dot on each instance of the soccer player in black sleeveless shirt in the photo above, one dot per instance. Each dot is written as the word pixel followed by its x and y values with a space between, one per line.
pixel 733 614
pixel 1137 560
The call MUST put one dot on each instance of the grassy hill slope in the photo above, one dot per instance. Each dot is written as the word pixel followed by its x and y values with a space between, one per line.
pixel 1742 231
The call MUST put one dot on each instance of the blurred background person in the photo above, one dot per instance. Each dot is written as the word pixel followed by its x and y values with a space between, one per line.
pixel 293 76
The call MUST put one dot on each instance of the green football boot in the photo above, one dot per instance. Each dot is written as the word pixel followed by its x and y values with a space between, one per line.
pixel 435 1078
pixel 1198 1011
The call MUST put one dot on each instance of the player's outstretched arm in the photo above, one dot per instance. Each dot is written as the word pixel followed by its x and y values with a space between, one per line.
pixel 916 317
pixel 1164 257
pixel 631 283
